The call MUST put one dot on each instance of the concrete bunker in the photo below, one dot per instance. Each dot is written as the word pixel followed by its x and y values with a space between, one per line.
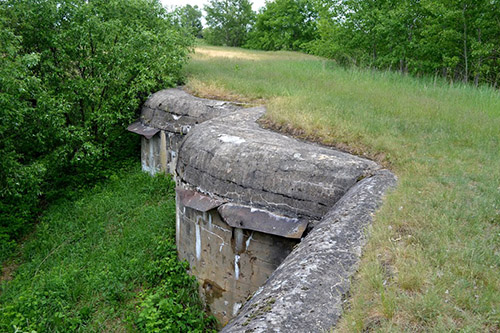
pixel 252 204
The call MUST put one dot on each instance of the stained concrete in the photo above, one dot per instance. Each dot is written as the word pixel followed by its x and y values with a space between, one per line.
pixel 305 294
pixel 150 154
pixel 229 263
pixel 233 157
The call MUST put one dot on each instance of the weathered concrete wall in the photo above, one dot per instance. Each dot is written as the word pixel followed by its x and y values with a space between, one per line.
pixel 246 197
pixel 235 158
pixel 230 263
pixel 166 118
pixel 306 293
pixel 150 154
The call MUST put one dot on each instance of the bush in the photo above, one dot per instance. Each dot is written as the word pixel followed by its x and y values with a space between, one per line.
pixel 173 305
pixel 73 75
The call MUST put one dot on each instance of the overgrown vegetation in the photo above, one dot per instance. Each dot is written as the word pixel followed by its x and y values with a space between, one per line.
pixel 72 75
pixel 432 262
pixel 456 40
pixel 102 261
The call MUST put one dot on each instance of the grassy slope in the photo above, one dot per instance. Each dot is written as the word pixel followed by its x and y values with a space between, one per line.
pixel 433 259
pixel 104 262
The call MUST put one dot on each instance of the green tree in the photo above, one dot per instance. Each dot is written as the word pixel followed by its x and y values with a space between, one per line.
pixel 73 74
pixel 455 39
pixel 228 22
pixel 189 18
pixel 467 33
pixel 21 174
pixel 284 25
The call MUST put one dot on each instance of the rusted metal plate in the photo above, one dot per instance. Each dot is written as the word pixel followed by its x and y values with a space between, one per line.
pixel 196 200
pixel 245 217
pixel 139 128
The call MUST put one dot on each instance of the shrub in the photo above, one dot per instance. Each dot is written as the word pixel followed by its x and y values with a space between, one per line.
pixel 73 76
pixel 173 305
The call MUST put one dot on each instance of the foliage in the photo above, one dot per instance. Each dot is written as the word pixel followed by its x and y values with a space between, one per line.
pixel 189 18
pixel 431 262
pixel 228 22
pixel 21 176
pixel 83 267
pixel 458 40
pixel 73 75
pixel 173 305
pixel 284 25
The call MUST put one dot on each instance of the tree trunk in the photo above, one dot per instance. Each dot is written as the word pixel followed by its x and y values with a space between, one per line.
pixel 478 70
pixel 466 74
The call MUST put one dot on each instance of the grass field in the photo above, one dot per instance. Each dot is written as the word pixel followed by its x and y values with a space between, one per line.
pixel 104 261
pixel 433 259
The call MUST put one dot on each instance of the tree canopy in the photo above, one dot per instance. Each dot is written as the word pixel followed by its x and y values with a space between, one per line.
pixel 189 18
pixel 228 21
pixel 284 25
pixel 72 75
pixel 459 40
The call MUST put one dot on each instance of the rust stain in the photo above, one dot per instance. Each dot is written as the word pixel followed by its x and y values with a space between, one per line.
pixel 245 217
pixel 196 200
pixel 212 290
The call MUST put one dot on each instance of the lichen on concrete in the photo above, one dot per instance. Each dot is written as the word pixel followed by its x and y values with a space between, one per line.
pixel 238 160
pixel 174 110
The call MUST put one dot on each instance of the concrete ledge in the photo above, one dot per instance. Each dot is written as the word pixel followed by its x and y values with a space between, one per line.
pixel 305 293
pixel 234 158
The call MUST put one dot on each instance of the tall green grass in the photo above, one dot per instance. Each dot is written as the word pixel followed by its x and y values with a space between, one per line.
pixel 105 262
pixel 433 259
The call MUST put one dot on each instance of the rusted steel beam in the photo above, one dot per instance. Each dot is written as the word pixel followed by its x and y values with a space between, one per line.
pixel 245 217
pixel 146 131
pixel 196 200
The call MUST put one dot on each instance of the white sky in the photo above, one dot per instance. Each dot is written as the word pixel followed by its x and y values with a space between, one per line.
pixel 256 4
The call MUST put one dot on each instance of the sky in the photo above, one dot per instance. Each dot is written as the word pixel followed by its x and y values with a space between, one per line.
pixel 256 4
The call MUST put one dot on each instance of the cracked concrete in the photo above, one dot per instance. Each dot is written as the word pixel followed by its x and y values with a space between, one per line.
pixel 305 293
pixel 266 169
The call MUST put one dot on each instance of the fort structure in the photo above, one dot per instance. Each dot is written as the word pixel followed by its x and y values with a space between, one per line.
pixel 272 226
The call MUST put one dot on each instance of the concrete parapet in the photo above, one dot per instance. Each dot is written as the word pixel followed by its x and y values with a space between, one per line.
pixel 233 157
pixel 306 292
